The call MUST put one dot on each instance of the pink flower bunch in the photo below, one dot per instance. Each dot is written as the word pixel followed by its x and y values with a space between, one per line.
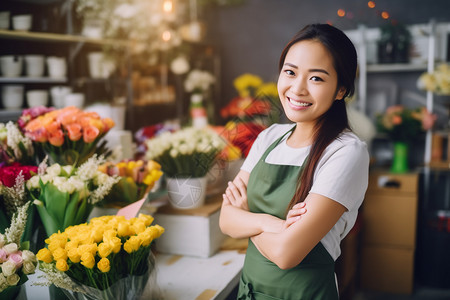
pixel 14 263
pixel 404 124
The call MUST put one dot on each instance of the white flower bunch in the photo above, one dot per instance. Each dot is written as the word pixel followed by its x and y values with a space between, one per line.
pixel 14 261
pixel 198 81
pixel 437 82
pixel 189 151
pixel 15 143
pixel 87 180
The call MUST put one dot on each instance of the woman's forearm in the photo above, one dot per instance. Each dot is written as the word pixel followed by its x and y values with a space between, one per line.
pixel 239 223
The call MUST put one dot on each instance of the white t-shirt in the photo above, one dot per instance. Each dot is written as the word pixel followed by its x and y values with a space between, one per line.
pixel 341 174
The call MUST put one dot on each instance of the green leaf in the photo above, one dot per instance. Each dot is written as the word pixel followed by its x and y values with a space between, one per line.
pixel 81 212
pixel 48 221
pixel 25 245
pixel 71 210
pixel 55 203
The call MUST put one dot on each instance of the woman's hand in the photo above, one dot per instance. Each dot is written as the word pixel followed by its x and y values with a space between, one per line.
pixel 295 213
pixel 236 194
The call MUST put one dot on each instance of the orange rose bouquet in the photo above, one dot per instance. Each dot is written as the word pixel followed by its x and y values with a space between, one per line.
pixel 69 136
pixel 108 258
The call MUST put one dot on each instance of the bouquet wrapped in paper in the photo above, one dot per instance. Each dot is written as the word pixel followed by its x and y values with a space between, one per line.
pixel 137 178
pixel 66 195
pixel 108 258
pixel 16 261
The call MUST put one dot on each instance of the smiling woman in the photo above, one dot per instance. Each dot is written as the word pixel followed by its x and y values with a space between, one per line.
pixel 302 183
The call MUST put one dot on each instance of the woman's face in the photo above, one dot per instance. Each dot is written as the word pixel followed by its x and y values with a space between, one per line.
pixel 307 84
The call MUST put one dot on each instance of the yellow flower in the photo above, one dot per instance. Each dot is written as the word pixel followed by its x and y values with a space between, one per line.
pixel 88 260
pixel 267 89
pixel 44 255
pixel 58 238
pixel 132 244
pixel 246 82
pixel 53 246
pixel 74 255
pixel 108 234
pixel 146 238
pixel 71 245
pixel 115 243
pixel 97 233
pixel 123 229
pixel 59 254
pixel 91 248
pixel 61 264
pixel 104 249
pixel 138 226
pixel 146 218
pixel 103 265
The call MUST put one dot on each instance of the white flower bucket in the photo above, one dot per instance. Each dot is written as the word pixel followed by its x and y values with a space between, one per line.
pixel 186 193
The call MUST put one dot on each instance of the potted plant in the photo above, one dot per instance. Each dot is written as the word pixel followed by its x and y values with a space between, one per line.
pixel 394 44
pixel 186 156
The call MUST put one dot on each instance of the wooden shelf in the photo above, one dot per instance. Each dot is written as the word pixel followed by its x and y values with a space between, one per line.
pixel 379 68
pixel 56 37
pixel 32 80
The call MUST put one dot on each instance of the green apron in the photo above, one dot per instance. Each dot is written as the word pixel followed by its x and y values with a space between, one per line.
pixel 270 189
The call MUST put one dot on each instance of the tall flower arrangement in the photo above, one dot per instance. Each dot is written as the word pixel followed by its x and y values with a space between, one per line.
pixel 108 258
pixel 189 152
pixel 69 136
pixel 255 108
pixel 16 261
pixel 65 195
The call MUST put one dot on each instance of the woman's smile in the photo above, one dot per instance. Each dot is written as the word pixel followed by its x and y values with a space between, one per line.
pixel 298 104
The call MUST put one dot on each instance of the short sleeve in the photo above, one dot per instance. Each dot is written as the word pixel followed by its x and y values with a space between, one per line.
pixel 262 142
pixel 343 173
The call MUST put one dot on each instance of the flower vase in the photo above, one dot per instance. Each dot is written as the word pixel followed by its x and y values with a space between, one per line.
pixel 186 192
pixel 400 159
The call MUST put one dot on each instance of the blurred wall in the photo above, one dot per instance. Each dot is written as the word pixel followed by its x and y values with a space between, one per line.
pixel 250 36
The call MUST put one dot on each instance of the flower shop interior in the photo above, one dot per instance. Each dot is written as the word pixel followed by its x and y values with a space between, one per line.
pixel 121 122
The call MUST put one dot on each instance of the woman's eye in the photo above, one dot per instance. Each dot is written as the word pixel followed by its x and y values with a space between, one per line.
pixel 289 72
pixel 315 78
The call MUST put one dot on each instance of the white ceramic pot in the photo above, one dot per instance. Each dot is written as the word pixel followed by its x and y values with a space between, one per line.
pixel 12 96
pixel 37 98
pixel 34 65
pixel 22 22
pixel 186 193
pixel 57 67
pixel 11 65
pixel 4 19
pixel 95 62
pixel 74 99
pixel 58 95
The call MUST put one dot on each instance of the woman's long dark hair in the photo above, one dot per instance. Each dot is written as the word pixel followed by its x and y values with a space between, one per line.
pixel 334 121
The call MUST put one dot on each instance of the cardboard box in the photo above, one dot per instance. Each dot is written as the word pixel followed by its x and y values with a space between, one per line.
pixel 390 210
pixel 193 232
pixel 387 269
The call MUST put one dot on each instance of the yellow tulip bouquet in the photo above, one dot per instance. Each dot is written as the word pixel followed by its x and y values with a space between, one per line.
pixel 108 258
pixel 137 178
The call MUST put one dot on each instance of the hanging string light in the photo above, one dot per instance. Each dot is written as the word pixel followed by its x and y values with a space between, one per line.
pixel 371 4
